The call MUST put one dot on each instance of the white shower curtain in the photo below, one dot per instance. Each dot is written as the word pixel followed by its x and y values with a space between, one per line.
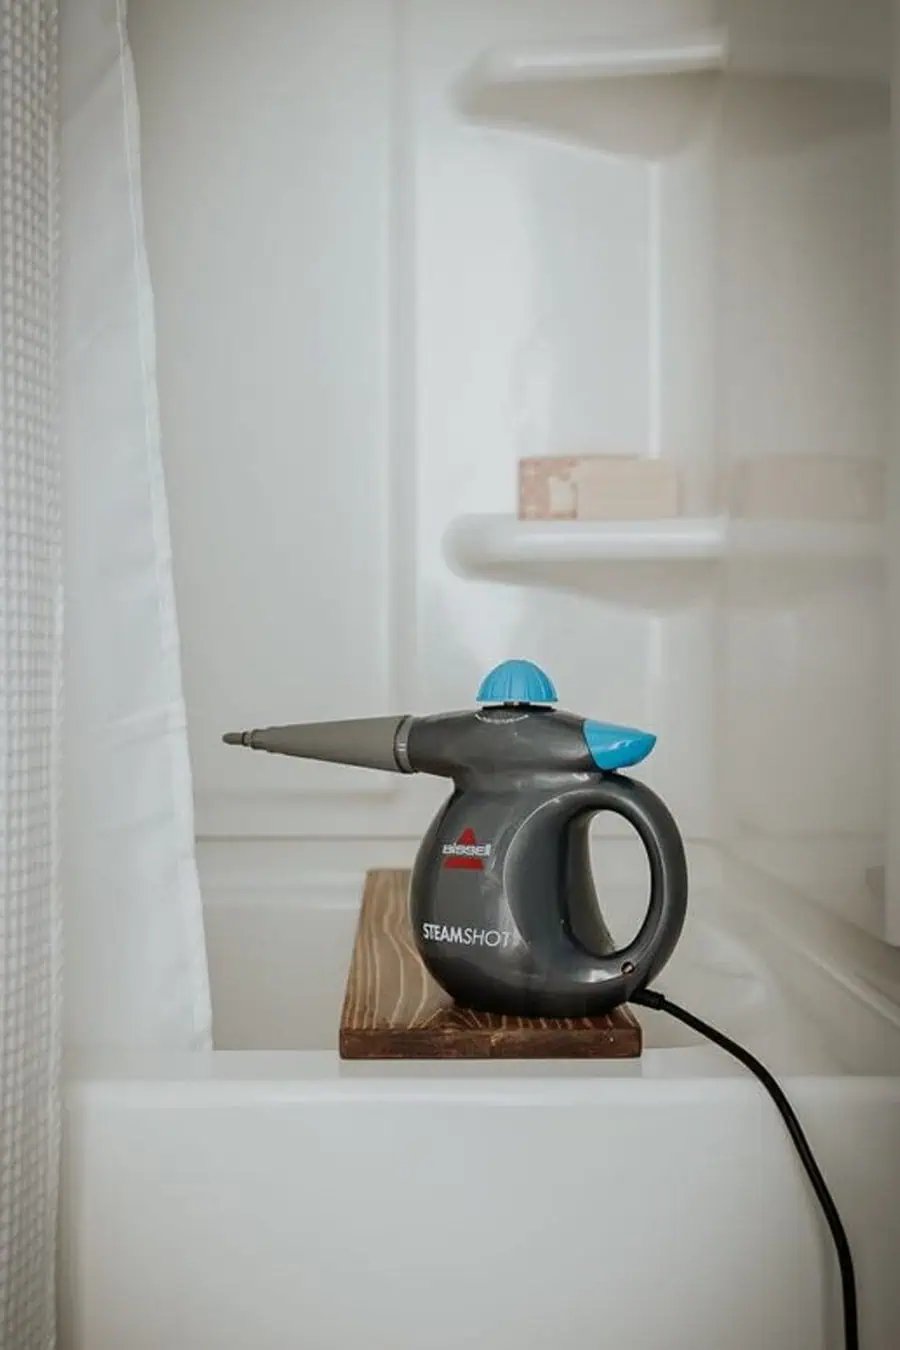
pixel 135 972
pixel 92 725
pixel 29 675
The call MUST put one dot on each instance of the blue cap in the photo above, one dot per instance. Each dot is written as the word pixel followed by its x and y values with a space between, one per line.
pixel 516 682
pixel 613 747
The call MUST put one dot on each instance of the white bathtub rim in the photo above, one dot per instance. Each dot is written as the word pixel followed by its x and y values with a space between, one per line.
pixel 247 1078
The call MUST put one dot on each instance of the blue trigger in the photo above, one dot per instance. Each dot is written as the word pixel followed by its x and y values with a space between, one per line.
pixel 613 747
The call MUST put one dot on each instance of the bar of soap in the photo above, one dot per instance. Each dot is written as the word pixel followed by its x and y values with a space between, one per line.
pixel 807 487
pixel 597 487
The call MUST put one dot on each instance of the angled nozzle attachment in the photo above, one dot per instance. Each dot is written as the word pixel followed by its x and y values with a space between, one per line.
pixel 366 742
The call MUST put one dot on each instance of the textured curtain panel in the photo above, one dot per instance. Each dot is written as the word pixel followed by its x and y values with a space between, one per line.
pixel 30 675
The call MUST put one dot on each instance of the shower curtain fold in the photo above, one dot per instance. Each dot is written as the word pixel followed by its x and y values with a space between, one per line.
pixel 136 973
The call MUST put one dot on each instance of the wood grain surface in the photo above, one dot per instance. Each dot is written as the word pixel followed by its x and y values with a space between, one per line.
pixel 393 1009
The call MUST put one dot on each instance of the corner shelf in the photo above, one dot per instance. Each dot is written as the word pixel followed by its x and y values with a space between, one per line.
pixel 644 98
pixel 653 564
pixel 476 542
pixel 641 100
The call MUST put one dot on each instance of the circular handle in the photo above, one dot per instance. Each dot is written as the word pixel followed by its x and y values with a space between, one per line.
pixel 644 957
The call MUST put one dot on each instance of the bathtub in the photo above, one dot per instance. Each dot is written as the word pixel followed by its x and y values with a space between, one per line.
pixel 268 1195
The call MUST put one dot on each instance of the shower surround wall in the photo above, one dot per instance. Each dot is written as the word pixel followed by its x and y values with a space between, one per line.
pixel 803 390
pixel 371 300
pixel 443 238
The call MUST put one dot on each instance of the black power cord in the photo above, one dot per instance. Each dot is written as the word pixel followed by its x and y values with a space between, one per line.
pixel 650 998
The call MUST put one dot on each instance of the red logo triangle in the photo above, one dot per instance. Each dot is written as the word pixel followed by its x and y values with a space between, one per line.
pixel 472 862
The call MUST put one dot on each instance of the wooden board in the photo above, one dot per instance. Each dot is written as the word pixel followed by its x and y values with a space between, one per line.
pixel 393 1009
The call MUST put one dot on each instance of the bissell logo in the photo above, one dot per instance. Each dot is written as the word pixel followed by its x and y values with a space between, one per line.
pixel 466 852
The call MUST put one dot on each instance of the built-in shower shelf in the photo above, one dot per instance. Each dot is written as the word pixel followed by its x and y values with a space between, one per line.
pixel 644 98
pixel 645 561
pixel 537 63
pixel 485 540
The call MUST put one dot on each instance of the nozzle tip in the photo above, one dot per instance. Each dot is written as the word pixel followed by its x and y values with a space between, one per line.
pixel 236 738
